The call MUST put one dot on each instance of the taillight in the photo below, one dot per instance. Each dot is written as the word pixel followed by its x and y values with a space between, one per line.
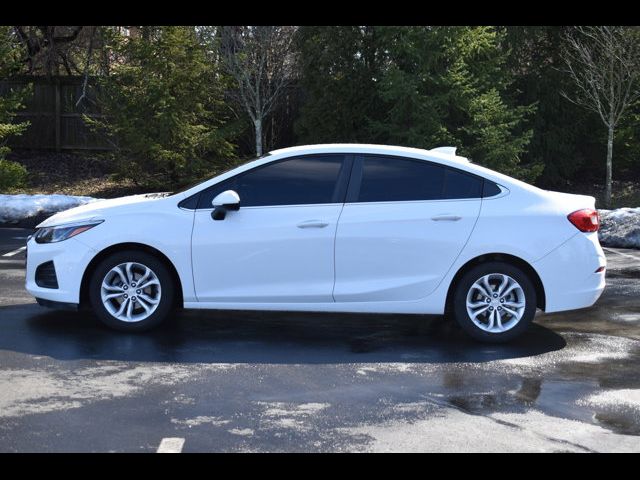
pixel 585 220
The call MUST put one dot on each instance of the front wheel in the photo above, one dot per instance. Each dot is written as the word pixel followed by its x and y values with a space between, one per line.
pixel 494 302
pixel 131 291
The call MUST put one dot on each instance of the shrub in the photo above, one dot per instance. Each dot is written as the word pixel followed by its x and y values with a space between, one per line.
pixel 12 175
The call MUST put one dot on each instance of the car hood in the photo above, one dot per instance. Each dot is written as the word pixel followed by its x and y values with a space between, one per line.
pixel 96 210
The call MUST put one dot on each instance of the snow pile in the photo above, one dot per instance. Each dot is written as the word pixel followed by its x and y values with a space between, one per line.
pixel 14 208
pixel 620 228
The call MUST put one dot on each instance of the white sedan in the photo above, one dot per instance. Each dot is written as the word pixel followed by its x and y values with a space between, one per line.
pixel 334 228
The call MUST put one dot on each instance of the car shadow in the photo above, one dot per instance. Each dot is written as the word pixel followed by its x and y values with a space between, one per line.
pixel 198 336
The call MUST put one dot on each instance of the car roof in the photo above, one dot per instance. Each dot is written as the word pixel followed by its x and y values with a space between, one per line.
pixel 439 152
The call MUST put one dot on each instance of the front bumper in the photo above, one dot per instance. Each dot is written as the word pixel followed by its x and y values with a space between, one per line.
pixel 569 273
pixel 52 304
pixel 70 258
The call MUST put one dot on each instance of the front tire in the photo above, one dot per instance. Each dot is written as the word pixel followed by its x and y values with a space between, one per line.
pixel 131 291
pixel 494 302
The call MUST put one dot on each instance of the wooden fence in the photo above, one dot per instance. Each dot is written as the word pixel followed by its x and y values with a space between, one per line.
pixel 55 120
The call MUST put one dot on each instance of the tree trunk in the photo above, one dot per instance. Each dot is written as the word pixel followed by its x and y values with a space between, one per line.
pixel 258 126
pixel 609 167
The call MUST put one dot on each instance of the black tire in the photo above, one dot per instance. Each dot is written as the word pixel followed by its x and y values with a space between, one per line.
pixel 167 297
pixel 459 301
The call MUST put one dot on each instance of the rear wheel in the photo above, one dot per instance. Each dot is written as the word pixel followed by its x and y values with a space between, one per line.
pixel 494 302
pixel 131 291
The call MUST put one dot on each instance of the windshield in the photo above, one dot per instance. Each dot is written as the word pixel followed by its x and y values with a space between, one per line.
pixel 209 176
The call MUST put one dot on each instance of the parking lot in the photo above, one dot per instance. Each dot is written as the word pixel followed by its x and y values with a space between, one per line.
pixel 256 381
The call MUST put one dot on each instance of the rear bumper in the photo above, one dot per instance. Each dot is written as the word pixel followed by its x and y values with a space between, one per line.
pixel 569 273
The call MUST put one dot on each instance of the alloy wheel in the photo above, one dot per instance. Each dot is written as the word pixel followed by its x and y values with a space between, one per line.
pixel 131 292
pixel 496 303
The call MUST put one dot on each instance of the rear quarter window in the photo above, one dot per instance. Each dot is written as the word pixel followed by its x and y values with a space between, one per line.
pixel 490 189
pixel 458 184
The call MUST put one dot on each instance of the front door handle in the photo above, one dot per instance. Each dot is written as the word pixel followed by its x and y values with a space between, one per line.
pixel 313 224
pixel 446 218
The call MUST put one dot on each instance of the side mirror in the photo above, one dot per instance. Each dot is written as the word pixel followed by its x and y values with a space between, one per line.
pixel 224 202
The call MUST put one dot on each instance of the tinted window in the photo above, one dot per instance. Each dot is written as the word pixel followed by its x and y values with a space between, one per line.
pixel 389 179
pixel 490 189
pixel 458 184
pixel 392 179
pixel 297 181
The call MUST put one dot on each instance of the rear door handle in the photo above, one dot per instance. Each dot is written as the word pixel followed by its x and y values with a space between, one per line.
pixel 313 224
pixel 446 218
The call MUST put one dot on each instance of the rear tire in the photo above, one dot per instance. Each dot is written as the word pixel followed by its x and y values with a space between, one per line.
pixel 494 302
pixel 131 291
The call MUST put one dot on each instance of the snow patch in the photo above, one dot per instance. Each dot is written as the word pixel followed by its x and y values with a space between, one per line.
pixel 244 432
pixel 386 368
pixel 625 398
pixel 201 420
pixel 581 348
pixel 456 431
pixel 282 415
pixel 24 391
pixel 280 409
pixel 620 228
pixel 14 208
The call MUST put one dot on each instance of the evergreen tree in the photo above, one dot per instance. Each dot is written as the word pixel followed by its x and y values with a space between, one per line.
pixel 565 137
pixel 415 86
pixel 164 107
pixel 339 68
pixel 448 85
pixel 12 174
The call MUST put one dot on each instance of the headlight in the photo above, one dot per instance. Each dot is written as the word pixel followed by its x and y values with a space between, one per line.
pixel 62 232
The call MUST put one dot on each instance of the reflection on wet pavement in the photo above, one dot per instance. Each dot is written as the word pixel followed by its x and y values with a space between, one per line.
pixel 273 381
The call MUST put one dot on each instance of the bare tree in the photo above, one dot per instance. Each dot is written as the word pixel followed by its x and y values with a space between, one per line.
pixel 49 47
pixel 260 59
pixel 604 63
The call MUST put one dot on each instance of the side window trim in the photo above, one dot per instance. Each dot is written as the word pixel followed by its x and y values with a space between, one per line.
pixel 355 180
pixel 344 177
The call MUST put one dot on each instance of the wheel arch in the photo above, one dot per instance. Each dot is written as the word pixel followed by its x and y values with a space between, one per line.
pixel 501 257
pixel 84 285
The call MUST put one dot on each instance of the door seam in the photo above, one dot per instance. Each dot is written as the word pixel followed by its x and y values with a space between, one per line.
pixel 335 239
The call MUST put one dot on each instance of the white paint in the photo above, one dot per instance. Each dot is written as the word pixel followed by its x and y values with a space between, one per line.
pixel 171 445
pixel 262 255
pixel 15 252
pixel 394 251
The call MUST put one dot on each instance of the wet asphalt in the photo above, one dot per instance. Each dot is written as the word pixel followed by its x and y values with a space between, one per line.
pixel 271 382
